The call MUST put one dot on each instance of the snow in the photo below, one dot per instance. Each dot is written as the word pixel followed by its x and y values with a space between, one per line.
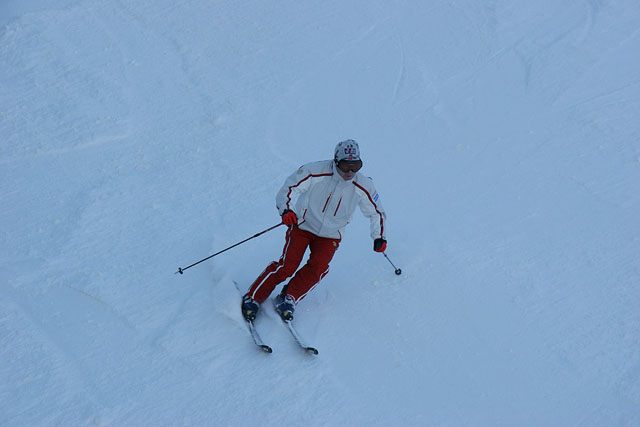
pixel 137 137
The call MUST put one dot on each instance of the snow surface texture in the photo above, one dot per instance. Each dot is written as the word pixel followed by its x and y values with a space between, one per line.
pixel 137 137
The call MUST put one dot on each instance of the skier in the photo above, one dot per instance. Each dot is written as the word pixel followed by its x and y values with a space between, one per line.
pixel 326 194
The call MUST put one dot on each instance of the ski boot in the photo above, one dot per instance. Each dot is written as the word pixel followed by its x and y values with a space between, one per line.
pixel 250 308
pixel 285 306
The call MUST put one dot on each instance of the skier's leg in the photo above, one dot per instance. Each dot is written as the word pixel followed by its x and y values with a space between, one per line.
pixel 296 243
pixel 322 250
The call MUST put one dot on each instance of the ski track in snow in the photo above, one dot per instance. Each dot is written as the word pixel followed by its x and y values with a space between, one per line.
pixel 139 137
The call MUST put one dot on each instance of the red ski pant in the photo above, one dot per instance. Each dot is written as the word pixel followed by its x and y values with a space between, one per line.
pixel 296 243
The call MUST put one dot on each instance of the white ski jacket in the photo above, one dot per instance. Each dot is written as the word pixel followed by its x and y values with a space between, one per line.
pixel 325 202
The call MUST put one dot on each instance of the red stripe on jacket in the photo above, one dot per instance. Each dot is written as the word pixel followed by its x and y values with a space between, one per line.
pixel 374 205
pixel 291 187
pixel 338 207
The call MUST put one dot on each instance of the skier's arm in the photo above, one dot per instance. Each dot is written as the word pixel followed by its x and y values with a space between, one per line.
pixel 372 208
pixel 296 184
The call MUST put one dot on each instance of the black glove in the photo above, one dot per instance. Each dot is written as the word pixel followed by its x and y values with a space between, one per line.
pixel 289 217
pixel 379 245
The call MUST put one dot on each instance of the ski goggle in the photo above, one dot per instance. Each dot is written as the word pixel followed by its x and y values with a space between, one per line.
pixel 350 165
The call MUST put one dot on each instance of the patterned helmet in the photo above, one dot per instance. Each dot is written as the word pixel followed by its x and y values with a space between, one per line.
pixel 347 150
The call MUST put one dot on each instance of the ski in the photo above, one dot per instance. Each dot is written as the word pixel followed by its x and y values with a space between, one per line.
pixel 258 341
pixel 298 339
pixel 254 332
pixel 256 338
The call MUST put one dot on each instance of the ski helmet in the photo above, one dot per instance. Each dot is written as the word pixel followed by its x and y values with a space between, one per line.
pixel 347 150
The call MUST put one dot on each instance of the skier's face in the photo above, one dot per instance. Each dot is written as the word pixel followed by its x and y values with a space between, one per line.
pixel 347 169
pixel 347 176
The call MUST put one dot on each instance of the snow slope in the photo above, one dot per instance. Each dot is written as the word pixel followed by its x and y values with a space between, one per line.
pixel 137 137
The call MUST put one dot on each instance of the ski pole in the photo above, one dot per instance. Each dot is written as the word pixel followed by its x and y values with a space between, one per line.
pixel 181 270
pixel 398 271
